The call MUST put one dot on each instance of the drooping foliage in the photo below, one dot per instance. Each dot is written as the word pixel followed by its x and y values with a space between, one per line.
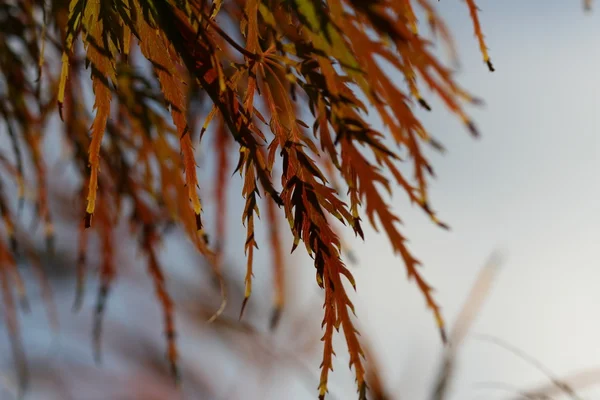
pixel 284 85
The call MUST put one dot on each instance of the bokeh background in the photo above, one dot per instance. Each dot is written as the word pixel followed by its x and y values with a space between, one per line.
pixel 529 188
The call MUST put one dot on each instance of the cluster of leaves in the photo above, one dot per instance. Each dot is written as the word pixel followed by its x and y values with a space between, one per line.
pixel 258 65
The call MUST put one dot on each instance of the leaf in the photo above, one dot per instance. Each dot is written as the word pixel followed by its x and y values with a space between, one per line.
pixel 269 70
pixel 477 26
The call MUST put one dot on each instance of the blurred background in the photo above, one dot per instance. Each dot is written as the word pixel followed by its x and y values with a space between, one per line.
pixel 528 189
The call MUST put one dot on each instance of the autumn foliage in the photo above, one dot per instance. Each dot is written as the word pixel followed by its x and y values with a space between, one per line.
pixel 288 86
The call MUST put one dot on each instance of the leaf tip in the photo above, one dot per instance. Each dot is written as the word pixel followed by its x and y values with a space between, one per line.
pixel 244 303
pixel 198 222
pixel 424 104
pixel 473 129
pixel 87 220
pixel 60 110
pixel 443 335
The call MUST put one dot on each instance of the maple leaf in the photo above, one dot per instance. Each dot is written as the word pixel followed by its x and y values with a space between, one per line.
pixel 258 65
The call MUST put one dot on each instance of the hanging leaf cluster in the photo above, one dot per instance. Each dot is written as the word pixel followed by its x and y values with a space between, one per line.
pixel 284 86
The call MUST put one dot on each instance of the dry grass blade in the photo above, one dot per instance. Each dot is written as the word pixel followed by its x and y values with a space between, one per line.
pixel 580 380
pixel 519 394
pixel 475 300
pixel 471 308
pixel 558 383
